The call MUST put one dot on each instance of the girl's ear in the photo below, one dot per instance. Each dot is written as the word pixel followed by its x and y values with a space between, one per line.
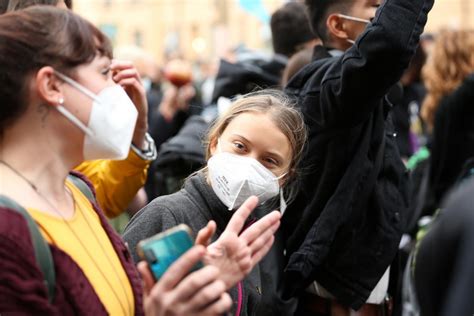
pixel 283 181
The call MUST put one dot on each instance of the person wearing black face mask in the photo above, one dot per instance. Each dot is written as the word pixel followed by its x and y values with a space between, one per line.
pixel 347 221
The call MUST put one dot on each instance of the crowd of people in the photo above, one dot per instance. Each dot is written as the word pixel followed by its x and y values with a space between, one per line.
pixel 329 178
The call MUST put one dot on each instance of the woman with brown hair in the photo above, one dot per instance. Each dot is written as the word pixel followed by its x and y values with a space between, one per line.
pixel 447 111
pixel 116 181
pixel 450 61
pixel 61 103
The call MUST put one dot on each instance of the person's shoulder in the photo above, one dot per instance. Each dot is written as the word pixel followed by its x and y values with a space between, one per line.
pixel 459 202
pixel 163 208
pixel 310 77
pixel 174 203
pixel 15 235
pixel 12 223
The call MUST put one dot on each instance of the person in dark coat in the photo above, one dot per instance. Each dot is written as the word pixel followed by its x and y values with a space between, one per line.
pixel 447 111
pixel 452 143
pixel 345 226
pixel 444 270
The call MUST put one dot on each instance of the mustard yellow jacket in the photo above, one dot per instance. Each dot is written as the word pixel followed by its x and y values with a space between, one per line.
pixel 116 182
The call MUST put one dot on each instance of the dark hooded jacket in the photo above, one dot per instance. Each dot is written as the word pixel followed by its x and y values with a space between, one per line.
pixel 178 157
pixel 345 226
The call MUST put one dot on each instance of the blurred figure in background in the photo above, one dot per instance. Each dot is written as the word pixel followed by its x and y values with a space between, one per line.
pixel 291 31
pixel 448 160
pixel 406 112
pixel 443 268
pixel 439 273
pixel 296 63
pixel 446 117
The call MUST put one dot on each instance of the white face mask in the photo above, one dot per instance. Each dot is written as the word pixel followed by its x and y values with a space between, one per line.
pixel 111 123
pixel 353 18
pixel 235 178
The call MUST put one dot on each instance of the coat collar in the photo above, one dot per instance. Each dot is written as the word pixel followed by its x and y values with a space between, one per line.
pixel 210 205
pixel 321 52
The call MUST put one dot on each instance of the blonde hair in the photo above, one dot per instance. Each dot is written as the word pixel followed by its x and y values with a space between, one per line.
pixel 283 114
pixel 450 61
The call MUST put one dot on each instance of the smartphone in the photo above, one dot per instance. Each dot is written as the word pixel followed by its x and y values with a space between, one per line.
pixel 161 250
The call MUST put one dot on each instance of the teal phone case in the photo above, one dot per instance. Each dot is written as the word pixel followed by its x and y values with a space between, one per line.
pixel 165 248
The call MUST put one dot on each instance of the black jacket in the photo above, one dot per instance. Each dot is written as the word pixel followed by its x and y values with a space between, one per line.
pixel 178 157
pixel 345 226
pixel 247 76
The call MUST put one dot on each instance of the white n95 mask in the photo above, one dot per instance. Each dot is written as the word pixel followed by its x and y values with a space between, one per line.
pixel 111 124
pixel 235 178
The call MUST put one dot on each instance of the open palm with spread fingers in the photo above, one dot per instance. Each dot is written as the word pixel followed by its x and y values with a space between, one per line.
pixel 235 253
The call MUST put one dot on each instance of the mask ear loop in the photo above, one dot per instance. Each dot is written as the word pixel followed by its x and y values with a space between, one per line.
pixel 74 120
pixel 353 18
pixel 283 205
pixel 76 85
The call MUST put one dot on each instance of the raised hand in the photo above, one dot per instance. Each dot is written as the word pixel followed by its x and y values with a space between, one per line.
pixel 235 255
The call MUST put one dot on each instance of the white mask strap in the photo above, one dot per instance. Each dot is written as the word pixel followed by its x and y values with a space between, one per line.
pixel 353 18
pixel 74 120
pixel 283 205
pixel 76 85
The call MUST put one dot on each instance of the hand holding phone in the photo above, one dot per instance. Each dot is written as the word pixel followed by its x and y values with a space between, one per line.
pixel 163 249
pixel 180 292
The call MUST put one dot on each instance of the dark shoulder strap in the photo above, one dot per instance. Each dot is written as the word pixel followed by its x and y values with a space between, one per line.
pixel 83 187
pixel 43 256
